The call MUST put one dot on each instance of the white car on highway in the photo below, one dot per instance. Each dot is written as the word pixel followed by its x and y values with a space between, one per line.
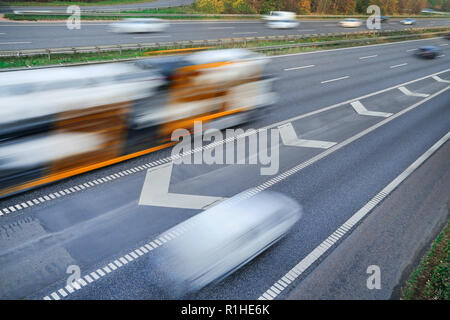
pixel 138 25
pixel 350 23
pixel 279 15
pixel 408 21
pixel 283 24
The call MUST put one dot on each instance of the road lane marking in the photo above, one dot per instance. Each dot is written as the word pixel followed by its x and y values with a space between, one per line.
pixel 245 32
pixel 290 138
pixel 405 91
pixel 126 172
pixel 149 37
pixel 440 79
pixel 302 67
pixel 155 191
pixel 398 65
pixel 411 50
pixel 444 44
pixel 219 28
pixel 442 55
pixel 293 274
pixel 347 226
pixel 18 42
pixel 337 79
pixel 368 57
pixel 360 109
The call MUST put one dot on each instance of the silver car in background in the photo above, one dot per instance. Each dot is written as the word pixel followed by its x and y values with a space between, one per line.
pixel 220 240
pixel 138 25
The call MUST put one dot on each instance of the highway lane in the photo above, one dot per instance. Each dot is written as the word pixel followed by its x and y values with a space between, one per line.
pixel 131 6
pixel 28 35
pixel 91 227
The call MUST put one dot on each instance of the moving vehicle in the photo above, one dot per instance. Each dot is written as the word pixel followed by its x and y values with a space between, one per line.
pixel 429 52
pixel 350 23
pixel 138 25
pixel 384 19
pixel 59 122
pixel 220 240
pixel 283 24
pixel 279 16
pixel 408 21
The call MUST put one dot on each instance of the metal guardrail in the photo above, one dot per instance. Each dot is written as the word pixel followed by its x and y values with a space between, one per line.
pixel 211 43
pixel 125 14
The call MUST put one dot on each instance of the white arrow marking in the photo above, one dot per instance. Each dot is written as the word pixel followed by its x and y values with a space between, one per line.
pixel 360 109
pixel 440 79
pixel 289 138
pixel 412 94
pixel 155 192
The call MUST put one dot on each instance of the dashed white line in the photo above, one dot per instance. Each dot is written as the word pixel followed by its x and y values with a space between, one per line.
pixel 411 50
pixel 444 44
pixel 337 79
pixel 368 57
pixel 316 254
pixel 398 65
pixel 297 68
pixel 245 32
pixel 18 42
pixel 219 28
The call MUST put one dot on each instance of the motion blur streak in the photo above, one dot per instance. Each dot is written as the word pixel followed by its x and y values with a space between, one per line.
pixel 220 240
pixel 56 122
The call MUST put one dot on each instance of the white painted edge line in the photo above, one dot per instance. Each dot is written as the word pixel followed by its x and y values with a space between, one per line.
pixel 315 255
pixel 17 42
pixel 337 79
pixel 405 91
pixel 249 32
pixel 125 172
pixel 150 37
pixel 368 57
pixel 360 109
pixel 302 67
pixel 398 65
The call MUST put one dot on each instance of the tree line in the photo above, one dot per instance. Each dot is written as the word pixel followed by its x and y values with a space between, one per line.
pixel 388 7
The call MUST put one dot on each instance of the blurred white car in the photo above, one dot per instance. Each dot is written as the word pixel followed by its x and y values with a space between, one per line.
pixel 350 23
pixel 138 25
pixel 283 24
pixel 279 15
pixel 408 21
pixel 220 240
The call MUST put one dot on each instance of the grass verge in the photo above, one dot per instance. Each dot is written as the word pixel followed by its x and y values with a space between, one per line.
pixel 431 279
pixel 55 59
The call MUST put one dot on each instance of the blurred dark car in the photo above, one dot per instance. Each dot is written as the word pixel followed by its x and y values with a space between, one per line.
pixel 429 52
pixel 447 36
pixel 384 19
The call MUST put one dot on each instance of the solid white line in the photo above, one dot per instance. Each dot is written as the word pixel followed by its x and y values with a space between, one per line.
pixel 360 109
pixel 245 32
pixel 398 65
pixel 296 68
pixel 337 79
pixel 368 57
pixel 312 257
pixel 405 91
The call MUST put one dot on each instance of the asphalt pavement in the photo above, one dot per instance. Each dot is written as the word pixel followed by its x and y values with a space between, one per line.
pixel 32 35
pixel 366 113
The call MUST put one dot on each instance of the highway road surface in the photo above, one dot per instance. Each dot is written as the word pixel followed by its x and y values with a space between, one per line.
pixel 31 35
pixel 350 122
